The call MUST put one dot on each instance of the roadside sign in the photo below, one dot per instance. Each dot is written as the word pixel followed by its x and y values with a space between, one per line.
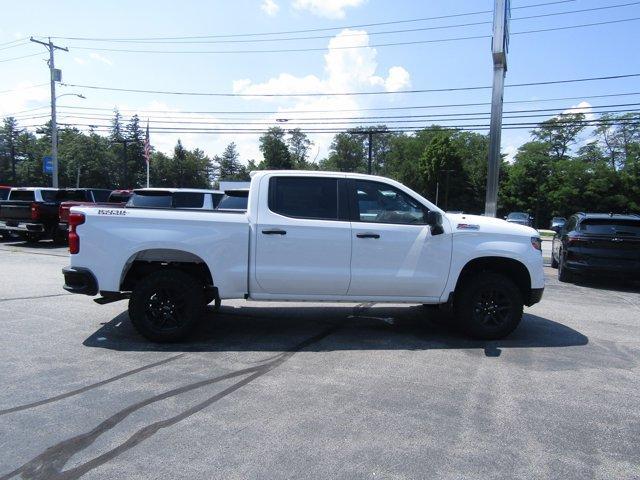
pixel 47 165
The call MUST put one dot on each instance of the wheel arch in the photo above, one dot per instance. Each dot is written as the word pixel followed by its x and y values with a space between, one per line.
pixel 511 268
pixel 146 261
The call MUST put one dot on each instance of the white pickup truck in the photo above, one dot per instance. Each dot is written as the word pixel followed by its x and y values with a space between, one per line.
pixel 306 236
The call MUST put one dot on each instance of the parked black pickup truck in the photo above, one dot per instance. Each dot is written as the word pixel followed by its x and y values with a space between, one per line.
pixel 33 213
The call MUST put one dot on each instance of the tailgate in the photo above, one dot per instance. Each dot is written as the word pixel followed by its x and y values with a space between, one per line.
pixel 15 211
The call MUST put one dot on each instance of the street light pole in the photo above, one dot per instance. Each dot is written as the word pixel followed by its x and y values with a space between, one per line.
pixel 499 49
pixel 55 75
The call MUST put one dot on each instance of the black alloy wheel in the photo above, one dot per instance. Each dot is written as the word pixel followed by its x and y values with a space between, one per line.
pixel 166 305
pixel 488 306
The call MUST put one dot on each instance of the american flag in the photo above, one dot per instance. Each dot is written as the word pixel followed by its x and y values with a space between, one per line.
pixel 147 145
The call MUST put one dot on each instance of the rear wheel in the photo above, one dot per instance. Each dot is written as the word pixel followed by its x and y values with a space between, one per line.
pixel 564 275
pixel 33 237
pixel 489 306
pixel 166 305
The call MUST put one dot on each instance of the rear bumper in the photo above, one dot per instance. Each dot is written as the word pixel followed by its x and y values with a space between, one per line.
pixel 19 226
pixel 535 295
pixel 79 280
pixel 629 270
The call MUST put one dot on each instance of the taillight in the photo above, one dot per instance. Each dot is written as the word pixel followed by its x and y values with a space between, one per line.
pixel 75 219
pixel 536 243
pixel 35 211
pixel 63 213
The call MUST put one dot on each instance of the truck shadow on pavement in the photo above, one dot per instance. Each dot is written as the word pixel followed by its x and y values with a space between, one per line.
pixel 264 328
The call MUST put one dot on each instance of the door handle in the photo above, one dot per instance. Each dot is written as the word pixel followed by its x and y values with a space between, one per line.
pixel 367 235
pixel 274 231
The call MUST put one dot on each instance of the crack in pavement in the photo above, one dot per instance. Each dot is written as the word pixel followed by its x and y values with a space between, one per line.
pixel 89 387
pixel 36 297
pixel 49 464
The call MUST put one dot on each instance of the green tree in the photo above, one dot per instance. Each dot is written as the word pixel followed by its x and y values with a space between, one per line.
pixel 229 166
pixel 9 154
pixel 274 150
pixel 299 145
pixel 560 133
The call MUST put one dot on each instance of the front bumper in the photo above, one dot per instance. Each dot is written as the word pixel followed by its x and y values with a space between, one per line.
pixel 535 295
pixel 79 280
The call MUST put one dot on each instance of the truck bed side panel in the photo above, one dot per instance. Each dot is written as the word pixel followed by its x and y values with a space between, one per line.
pixel 111 238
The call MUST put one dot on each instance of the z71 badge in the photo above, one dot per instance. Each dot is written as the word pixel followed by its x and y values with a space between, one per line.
pixel 111 212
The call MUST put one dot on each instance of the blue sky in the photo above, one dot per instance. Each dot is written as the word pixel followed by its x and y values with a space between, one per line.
pixel 573 53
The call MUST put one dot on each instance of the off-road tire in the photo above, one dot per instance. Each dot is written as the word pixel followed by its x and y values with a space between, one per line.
pixel 166 305
pixel 488 306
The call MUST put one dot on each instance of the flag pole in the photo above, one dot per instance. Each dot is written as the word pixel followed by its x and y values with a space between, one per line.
pixel 147 151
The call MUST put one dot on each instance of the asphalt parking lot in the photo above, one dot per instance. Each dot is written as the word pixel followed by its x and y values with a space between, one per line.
pixel 314 391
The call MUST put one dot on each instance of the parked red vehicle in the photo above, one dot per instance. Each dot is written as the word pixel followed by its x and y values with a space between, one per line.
pixel 117 198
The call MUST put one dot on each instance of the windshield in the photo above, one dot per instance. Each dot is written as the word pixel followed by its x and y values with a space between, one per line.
pixel 518 216
pixel 611 227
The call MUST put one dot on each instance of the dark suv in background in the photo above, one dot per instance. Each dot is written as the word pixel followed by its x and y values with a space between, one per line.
pixel 598 243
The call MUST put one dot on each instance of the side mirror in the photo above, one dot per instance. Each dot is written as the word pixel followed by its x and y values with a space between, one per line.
pixel 434 220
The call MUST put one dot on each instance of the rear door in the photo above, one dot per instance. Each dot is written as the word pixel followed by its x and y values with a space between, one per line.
pixel 394 253
pixel 303 236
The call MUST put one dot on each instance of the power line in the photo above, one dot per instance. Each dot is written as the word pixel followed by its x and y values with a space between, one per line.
pixel 515 125
pixel 182 119
pixel 360 34
pixel 14 45
pixel 345 47
pixel 14 41
pixel 286 32
pixel 284 113
pixel 18 58
pixel 316 94
pixel 24 88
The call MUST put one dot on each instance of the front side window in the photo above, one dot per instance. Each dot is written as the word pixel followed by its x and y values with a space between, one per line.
pixel 380 203
pixel 304 197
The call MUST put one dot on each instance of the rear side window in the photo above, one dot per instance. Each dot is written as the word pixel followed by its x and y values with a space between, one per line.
pixel 49 195
pixel 101 195
pixel 150 200
pixel 119 197
pixel 4 193
pixel 233 203
pixel 188 200
pixel 304 197
pixel 70 195
pixel 25 195
pixel 610 227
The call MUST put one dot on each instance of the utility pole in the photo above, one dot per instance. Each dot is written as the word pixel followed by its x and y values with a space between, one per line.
pixel 499 50
pixel 370 157
pixel 56 76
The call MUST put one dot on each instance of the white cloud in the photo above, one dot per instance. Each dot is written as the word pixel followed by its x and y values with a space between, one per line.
pixel 326 8
pixel 270 7
pixel 100 58
pixel 345 70
pixel 582 107
pixel 24 97
pixel 79 61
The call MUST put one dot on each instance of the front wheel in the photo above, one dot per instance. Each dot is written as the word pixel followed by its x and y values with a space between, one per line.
pixel 489 306
pixel 166 305
pixel 564 275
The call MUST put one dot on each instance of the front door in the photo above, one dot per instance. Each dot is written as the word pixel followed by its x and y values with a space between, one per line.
pixel 394 252
pixel 303 242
